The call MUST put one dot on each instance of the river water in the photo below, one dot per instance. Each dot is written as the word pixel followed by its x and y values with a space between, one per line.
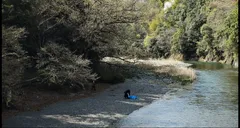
pixel 211 101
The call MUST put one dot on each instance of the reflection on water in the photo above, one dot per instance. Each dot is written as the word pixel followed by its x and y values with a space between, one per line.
pixel 209 65
pixel 211 102
pixel 216 86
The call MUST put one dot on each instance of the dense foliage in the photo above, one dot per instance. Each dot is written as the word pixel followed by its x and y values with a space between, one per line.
pixel 60 67
pixel 13 61
pixel 64 40
pixel 202 29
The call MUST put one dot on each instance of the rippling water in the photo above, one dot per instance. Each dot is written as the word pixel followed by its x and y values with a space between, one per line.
pixel 211 101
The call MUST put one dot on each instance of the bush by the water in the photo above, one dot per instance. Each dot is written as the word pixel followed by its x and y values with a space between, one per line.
pixel 57 66
pixel 13 62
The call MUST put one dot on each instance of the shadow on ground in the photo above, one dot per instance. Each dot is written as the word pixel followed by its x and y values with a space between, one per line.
pixel 101 110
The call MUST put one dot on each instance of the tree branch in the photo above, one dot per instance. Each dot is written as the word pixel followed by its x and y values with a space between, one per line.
pixel 10 54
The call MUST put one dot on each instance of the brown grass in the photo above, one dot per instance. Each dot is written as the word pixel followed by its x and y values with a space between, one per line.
pixel 164 66
pixel 222 4
pixel 182 72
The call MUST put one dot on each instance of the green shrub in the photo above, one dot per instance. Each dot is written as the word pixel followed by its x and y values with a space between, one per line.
pixel 58 66
pixel 13 62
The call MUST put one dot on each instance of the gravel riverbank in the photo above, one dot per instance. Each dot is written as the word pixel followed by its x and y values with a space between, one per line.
pixel 101 110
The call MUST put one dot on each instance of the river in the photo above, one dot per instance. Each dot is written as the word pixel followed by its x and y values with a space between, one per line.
pixel 210 101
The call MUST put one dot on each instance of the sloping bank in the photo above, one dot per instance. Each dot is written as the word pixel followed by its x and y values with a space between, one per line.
pixel 105 108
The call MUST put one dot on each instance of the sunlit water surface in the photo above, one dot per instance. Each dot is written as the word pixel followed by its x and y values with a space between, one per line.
pixel 211 101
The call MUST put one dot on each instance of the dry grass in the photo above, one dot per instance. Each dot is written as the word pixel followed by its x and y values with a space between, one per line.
pixel 170 67
pixel 223 4
pixel 182 72
pixel 164 66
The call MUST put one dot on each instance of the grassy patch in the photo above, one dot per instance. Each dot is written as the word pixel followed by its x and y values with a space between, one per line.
pixel 176 69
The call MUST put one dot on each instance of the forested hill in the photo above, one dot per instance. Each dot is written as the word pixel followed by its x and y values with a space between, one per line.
pixel 196 29
pixel 64 40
